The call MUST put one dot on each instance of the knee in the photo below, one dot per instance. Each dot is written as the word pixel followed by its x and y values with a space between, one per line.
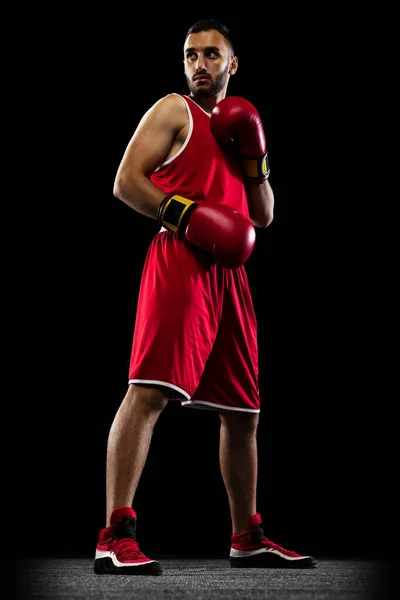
pixel 242 422
pixel 149 399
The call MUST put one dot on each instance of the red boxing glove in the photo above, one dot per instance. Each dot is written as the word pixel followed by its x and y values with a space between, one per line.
pixel 235 118
pixel 218 228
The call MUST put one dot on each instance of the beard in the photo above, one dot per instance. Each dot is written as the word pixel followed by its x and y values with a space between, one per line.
pixel 211 90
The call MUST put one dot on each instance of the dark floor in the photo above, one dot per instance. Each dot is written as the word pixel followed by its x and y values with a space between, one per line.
pixel 201 579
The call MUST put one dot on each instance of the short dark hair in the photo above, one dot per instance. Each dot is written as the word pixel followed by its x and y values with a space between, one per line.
pixel 206 25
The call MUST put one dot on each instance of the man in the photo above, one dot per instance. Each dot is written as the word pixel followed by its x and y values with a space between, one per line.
pixel 197 164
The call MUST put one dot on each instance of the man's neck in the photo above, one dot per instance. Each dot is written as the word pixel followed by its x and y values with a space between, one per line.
pixel 207 104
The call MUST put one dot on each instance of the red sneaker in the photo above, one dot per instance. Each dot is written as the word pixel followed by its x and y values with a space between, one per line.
pixel 117 551
pixel 251 548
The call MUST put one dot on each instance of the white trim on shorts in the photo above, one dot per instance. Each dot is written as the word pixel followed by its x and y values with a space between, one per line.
pixel 189 402
pixel 164 383
pixel 212 406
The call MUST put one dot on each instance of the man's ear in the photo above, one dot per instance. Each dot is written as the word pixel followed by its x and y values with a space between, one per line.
pixel 234 65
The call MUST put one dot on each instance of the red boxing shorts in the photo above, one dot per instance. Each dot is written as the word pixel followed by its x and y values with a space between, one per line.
pixel 195 328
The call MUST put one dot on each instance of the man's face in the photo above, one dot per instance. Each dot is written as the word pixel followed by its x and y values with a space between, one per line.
pixel 208 63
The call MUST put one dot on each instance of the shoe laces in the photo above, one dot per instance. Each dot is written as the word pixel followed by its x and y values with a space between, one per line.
pixel 262 539
pixel 270 544
pixel 127 548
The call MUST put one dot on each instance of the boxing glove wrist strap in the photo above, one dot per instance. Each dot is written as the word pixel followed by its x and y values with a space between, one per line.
pixel 173 212
pixel 256 170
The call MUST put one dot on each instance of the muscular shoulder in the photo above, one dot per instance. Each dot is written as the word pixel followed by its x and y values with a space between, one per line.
pixel 170 108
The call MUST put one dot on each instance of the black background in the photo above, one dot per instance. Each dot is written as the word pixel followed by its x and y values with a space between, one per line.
pixel 85 80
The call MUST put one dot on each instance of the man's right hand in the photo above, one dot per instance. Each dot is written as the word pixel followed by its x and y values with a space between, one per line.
pixel 218 228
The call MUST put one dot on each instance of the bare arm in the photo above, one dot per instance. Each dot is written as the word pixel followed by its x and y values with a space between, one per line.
pixel 260 199
pixel 153 139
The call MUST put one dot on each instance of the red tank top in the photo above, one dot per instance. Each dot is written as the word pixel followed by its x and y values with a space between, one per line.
pixel 202 170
